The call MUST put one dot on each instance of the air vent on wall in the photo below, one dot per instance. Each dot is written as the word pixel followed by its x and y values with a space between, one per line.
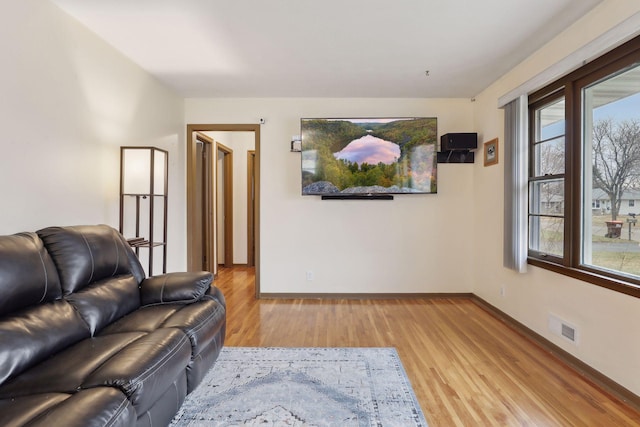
pixel 568 332
pixel 563 329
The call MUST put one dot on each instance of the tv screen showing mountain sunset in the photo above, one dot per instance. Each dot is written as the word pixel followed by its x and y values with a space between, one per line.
pixel 369 156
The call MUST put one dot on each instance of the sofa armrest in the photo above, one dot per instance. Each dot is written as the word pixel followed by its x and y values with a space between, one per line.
pixel 216 294
pixel 175 287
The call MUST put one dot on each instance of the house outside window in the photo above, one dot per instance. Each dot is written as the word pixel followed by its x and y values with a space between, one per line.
pixel 584 171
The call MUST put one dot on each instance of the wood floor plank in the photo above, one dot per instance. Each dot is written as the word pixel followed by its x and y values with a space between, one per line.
pixel 466 367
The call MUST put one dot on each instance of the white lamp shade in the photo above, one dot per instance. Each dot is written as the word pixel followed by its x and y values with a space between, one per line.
pixel 136 170
pixel 159 172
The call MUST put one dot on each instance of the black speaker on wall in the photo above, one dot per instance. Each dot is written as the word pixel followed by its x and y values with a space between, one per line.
pixel 458 141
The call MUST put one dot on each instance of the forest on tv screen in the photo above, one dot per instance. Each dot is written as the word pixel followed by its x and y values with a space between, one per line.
pixel 399 155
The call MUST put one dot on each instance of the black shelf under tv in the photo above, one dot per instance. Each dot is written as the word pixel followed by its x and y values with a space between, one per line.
pixel 362 196
pixel 455 156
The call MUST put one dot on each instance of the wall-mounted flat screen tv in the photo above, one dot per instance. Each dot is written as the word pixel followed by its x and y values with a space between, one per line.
pixel 369 156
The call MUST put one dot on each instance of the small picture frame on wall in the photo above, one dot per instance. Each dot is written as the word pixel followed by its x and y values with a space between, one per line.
pixel 491 152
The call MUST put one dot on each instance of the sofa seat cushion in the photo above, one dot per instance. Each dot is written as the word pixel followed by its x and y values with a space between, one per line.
pixel 201 321
pixel 96 407
pixel 142 365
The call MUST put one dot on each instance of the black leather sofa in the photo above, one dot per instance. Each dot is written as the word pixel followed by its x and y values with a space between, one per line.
pixel 87 340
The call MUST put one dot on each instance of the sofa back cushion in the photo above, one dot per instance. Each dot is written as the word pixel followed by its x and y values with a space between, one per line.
pixel 27 274
pixel 99 273
pixel 105 301
pixel 89 253
pixel 31 335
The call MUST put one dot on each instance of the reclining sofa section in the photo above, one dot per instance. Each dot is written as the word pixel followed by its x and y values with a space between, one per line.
pixel 87 340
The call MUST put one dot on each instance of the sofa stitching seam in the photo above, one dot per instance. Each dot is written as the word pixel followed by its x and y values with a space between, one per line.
pixel 115 244
pixel 90 256
pixel 154 368
pixel 46 276
pixel 119 410
pixel 164 283
pixel 206 319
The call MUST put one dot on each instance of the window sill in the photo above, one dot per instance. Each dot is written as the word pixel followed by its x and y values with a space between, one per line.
pixel 611 283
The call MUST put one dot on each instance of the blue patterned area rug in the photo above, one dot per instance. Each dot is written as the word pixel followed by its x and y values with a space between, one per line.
pixel 303 387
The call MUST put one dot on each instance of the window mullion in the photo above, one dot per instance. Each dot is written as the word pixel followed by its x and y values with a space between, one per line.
pixel 573 181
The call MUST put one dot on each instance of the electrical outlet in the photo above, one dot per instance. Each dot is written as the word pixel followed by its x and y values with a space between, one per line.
pixel 503 291
pixel 309 276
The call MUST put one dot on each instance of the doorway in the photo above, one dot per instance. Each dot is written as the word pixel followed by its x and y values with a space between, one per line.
pixel 224 205
pixel 205 220
pixel 195 200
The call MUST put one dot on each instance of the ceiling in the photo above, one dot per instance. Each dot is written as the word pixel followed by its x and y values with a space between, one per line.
pixel 327 48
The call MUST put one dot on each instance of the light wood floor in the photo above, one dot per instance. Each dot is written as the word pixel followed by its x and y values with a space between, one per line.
pixel 467 368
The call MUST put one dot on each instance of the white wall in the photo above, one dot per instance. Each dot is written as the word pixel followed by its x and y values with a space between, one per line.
pixel 68 102
pixel 609 337
pixel 418 243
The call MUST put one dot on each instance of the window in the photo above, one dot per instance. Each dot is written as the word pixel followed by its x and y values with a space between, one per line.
pixel 546 182
pixel 584 154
